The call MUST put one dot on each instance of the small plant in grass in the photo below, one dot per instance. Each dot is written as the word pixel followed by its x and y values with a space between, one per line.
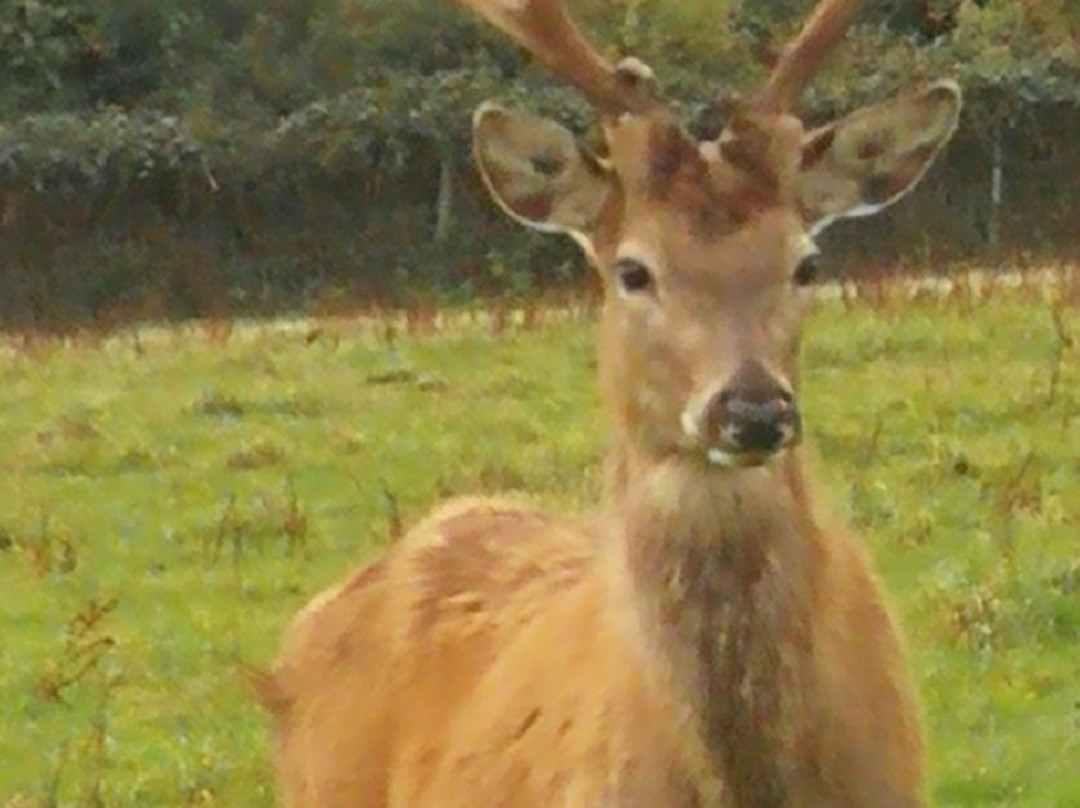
pixel 136 459
pixel 216 404
pixel 86 643
pixel 258 454
pixel 68 429
pixel 83 669
pixel 45 542
pixel 1064 342
pixel 1003 612
pixel 269 519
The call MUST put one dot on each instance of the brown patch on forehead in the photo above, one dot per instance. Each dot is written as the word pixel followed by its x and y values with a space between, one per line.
pixel 670 155
pixel 750 156
pixel 678 175
pixel 716 196
pixel 767 149
pixel 714 188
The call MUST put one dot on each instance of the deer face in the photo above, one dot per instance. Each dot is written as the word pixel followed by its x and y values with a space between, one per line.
pixel 706 250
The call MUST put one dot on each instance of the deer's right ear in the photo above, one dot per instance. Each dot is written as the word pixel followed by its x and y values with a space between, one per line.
pixel 538 173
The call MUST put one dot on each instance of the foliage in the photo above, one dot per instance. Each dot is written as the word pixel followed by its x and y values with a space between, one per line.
pixel 376 126
pixel 225 118
pixel 174 495
pixel 409 63
pixel 74 151
pixel 1022 49
pixel 39 43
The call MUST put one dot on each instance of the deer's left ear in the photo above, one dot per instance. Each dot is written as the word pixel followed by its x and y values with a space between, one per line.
pixel 866 161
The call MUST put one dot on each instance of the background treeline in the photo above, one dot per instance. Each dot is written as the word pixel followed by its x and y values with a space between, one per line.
pixel 194 157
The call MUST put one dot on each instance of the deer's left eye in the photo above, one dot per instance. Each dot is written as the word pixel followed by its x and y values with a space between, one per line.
pixel 808 270
pixel 634 277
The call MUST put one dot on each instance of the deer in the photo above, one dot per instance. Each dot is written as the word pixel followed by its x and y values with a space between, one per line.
pixel 709 635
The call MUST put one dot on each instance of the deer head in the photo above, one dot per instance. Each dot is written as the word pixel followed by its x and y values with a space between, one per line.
pixel 705 248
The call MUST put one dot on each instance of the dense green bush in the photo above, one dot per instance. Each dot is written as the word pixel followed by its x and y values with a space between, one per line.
pixel 347 120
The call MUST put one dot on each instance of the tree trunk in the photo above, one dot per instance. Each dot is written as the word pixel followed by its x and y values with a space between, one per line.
pixel 993 229
pixel 444 218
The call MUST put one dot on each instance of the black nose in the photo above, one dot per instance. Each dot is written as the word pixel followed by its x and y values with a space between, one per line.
pixel 753 413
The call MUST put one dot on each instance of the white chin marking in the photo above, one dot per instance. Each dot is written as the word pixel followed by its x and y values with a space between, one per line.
pixel 689 425
pixel 718 457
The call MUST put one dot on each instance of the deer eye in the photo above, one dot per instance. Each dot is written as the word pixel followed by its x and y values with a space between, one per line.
pixel 633 276
pixel 807 271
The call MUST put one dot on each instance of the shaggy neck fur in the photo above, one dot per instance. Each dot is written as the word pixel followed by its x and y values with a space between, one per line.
pixel 721 565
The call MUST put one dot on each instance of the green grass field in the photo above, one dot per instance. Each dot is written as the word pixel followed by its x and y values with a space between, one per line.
pixel 168 502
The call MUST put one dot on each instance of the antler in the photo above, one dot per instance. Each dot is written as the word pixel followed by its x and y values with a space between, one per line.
pixel 802 57
pixel 545 29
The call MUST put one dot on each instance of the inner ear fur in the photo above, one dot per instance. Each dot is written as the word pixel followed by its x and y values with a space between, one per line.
pixel 864 162
pixel 538 172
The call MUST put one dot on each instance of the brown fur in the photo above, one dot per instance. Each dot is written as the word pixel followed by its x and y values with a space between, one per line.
pixel 720 645
pixel 710 638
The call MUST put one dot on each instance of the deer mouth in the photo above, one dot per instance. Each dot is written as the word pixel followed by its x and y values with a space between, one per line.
pixel 725 459
pixel 736 446
pixel 742 459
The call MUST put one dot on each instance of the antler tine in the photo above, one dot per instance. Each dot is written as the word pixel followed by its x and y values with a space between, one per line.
pixel 802 57
pixel 546 30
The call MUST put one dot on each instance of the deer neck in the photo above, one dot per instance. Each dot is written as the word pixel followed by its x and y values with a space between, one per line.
pixel 721 572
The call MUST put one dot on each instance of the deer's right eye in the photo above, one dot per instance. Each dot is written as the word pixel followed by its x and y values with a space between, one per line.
pixel 633 276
